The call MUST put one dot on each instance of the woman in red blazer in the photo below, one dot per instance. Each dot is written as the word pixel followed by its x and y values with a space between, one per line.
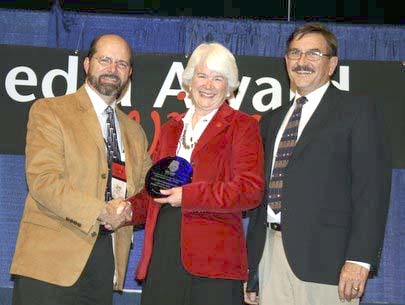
pixel 194 249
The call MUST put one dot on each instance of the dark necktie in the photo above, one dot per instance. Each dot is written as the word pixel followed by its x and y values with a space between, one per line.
pixel 113 152
pixel 284 151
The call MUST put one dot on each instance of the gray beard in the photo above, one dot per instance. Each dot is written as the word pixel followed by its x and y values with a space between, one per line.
pixel 105 89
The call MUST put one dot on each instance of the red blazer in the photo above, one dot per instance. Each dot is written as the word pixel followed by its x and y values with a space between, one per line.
pixel 227 179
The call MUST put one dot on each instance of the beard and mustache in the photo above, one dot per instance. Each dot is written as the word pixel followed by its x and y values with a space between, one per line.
pixel 107 89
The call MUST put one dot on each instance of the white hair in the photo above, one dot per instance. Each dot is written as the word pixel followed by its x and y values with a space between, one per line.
pixel 217 58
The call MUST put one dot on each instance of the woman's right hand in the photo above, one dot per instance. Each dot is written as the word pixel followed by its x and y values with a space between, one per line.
pixel 174 196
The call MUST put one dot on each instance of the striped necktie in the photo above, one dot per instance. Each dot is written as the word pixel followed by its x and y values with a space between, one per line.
pixel 113 151
pixel 284 151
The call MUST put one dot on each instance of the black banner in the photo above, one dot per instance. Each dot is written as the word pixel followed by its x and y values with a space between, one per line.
pixel 30 73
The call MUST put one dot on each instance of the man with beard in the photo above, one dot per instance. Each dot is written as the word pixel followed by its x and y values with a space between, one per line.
pixel 319 230
pixel 72 247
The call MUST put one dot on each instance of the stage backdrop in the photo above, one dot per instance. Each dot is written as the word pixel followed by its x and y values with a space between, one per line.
pixel 154 95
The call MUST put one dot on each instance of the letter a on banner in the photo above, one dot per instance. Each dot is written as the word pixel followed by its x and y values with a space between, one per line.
pixel 176 70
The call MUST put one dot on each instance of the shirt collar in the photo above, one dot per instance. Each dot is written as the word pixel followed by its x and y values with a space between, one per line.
pixel 315 95
pixel 98 103
pixel 190 112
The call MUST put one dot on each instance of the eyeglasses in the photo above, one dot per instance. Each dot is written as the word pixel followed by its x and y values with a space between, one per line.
pixel 311 55
pixel 106 61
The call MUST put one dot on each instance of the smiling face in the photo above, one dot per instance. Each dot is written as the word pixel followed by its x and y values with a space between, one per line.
pixel 308 75
pixel 109 79
pixel 208 89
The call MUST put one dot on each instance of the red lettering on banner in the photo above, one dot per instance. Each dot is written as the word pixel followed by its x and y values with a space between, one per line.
pixel 156 121
pixel 134 114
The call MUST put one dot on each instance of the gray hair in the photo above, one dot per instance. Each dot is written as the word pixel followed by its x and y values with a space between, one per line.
pixel 218 59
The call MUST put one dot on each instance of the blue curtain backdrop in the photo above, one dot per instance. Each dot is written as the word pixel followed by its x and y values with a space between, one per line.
pixel 70 30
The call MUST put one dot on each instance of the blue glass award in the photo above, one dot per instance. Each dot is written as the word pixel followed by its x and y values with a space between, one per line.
pixel 167 173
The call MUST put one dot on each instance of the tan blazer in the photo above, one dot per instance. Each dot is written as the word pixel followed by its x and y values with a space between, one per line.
pixel 66 172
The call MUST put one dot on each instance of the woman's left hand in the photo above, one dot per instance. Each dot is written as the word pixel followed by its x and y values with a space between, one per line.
pixel 174 196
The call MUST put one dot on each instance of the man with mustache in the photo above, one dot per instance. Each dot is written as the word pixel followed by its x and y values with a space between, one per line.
pixel 317 236
pixel 83 156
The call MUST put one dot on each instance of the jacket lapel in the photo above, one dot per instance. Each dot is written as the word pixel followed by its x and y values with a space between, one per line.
pixel 89 119
pixel 317 121
pixel 219 122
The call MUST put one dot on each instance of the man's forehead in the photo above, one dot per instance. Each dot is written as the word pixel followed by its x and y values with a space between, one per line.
pixel 114 50
pixel 112 43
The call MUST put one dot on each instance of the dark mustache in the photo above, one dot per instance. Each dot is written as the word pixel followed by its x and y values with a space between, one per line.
pixel 303 68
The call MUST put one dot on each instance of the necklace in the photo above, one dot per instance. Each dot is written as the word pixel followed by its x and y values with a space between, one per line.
pixel 185 139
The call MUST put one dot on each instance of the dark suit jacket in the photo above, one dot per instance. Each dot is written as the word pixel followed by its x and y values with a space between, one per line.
pixel 336 190
pixel 227 179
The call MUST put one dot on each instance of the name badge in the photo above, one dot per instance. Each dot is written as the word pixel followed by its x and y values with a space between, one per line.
pixel 118 180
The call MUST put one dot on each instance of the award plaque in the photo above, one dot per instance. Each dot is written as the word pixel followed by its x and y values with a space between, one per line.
pixel 167 173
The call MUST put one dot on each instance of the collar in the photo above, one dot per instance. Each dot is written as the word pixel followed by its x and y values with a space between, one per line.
pixel 98 103
pixel 190 112
pixel 314 96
